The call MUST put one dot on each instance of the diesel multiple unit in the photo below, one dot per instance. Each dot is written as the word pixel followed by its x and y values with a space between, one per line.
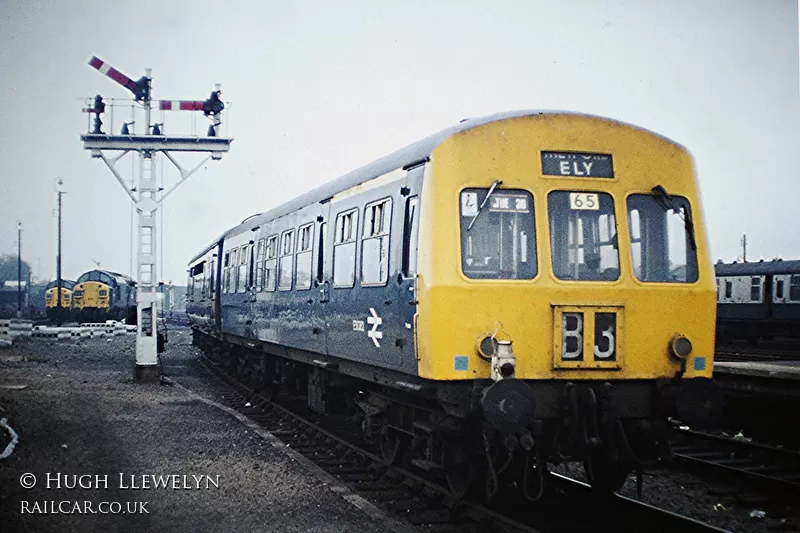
pixel 758 300
pixel 517 290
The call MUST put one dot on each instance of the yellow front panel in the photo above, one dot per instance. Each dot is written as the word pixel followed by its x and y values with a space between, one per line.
pixel 95 295
pixel 52 301
pixel 455 310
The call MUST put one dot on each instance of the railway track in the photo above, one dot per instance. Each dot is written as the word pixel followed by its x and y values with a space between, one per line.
pixel 336 447
pixel 773 470
pixel 772 352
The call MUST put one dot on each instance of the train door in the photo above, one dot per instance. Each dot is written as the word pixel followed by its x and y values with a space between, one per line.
pixel 370 305
pixel 322 276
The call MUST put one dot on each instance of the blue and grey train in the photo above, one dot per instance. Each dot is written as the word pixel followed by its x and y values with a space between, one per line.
pixel 517 290
pixel 758 300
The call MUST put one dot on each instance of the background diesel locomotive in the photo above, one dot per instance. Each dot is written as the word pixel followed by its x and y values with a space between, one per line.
pixel 51 299
pixel 519 289
pixel 100 295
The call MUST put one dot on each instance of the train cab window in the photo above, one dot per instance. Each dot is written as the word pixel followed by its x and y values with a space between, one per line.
pixel 244 264
pixel 270 263
pixel 344 249
pixel 728 289
pixel 794 288
pixel 375 243
pixel 285 265
pixel 662 239
pixel 497 236
pixel 755 289
pixel 779 288
pixel 305 242
pixel 410 236
pixel 259 267
pixel 583 236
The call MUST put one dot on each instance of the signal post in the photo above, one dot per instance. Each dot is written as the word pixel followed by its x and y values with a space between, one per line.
pixel 145 195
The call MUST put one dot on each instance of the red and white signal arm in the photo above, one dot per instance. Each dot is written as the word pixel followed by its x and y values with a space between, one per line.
pixel 180 105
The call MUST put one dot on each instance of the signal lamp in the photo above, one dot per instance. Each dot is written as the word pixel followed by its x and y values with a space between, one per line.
pixel 213 105
pixel 99 105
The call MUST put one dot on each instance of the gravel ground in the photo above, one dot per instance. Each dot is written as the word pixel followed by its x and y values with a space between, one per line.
pixel 81 414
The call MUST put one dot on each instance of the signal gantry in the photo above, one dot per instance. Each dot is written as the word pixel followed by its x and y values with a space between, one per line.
pixel 146 196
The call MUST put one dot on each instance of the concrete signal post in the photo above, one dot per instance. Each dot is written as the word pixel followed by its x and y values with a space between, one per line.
pixel 146 196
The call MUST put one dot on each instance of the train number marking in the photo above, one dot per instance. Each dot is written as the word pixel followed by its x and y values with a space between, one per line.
pixel 584 201
pixel 376 321
pixel 572 328
pixel 358 325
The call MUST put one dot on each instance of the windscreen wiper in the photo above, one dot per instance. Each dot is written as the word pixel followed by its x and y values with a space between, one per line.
pixel 667 202
pixel 483 203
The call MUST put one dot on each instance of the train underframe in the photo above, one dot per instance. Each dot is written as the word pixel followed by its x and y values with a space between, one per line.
pixel 480 437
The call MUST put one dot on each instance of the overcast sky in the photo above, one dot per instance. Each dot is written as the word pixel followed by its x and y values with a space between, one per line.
pixel 321 88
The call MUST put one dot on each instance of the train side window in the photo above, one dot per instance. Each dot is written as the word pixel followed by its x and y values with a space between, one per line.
pixel 344 249
pixel 728 289
pixel 241 275
pixel 305 243
pixel 794 288
pixel 779 288
pixel 226 271
pixel 375 243
pixel 323 233
pixel 755 289
pixel 259 266
pixel 410 236
pixel 212 264
pixel 287 256
pixel 270 263
pixel 233 270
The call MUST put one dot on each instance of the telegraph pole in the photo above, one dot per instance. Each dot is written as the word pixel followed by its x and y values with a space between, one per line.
pixel 19 269
pixel 148 198
pixel 744 248
pixel 58 257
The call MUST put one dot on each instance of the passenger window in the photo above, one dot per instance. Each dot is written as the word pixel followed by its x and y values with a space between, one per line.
pixel 794 288
pixel 583 236
pixel 375 243
pixel 270 263
pixel 259 266
pixel 344 249
pixel 305 240
pixel 287 251
pixel 410 237
pixel 779 288
pixel 755 289
pixel 728 289
pixel 241 276
pixel 323 233
pixel 233 271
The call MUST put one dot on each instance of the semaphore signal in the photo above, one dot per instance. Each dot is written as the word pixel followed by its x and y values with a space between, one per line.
pixel 146 195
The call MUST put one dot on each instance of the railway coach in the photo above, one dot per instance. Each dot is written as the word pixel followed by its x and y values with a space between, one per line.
pixel 517 290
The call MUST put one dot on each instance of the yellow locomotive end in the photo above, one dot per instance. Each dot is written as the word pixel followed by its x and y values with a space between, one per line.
pixel 581 272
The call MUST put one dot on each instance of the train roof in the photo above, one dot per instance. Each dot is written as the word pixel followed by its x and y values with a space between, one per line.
pixel 407 157
pixel 758 269
pixel 65 284
pixel 121 279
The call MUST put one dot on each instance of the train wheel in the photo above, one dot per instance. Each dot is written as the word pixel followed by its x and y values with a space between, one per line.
pixel 392 445
pixel 459 471
pixel 606 475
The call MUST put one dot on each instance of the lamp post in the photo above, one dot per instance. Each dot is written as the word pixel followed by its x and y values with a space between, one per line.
pixel 19 269
pixel 59 183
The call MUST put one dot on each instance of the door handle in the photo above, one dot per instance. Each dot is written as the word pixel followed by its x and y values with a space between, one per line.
pixel 387 302
pixel 310 301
